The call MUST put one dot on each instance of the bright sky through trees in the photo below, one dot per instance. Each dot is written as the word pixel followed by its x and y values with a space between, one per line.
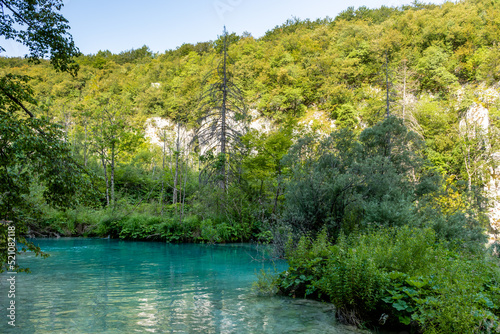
pixel 119 25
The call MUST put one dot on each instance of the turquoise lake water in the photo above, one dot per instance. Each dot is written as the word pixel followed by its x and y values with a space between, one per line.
pixel 111 286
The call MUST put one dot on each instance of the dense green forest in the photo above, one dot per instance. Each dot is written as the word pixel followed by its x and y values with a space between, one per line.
pixel 361 152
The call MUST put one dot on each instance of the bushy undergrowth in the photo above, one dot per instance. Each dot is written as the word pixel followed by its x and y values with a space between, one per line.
pixel 398 277
pixel 267 283
pixel 126 224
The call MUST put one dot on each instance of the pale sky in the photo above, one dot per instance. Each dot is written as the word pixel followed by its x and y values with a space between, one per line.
pixel 120 25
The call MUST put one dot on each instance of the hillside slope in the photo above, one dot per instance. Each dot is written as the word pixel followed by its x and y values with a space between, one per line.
pixel 437 65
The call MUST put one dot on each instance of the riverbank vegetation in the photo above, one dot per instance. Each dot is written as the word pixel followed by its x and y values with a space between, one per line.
pixel 378 238
pixel 363 147
pixel 397 277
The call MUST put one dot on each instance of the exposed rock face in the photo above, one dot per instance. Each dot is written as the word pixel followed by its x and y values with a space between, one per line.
pixel 493 192
pixel 489 96
pixel 156 126
pixel 477 116
pixel 260 124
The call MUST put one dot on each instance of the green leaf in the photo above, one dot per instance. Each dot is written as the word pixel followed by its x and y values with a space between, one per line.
pixel 405 320
pixel 400 305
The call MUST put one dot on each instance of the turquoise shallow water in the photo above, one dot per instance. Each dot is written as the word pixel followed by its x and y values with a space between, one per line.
pixel 111 286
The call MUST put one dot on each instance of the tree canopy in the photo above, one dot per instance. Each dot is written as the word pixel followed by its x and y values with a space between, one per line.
pixel 39 26
pixel 33 150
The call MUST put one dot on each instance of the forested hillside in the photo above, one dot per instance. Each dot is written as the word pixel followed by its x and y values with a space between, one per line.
pixel 431 66
pixel 428 65
pixel 412 94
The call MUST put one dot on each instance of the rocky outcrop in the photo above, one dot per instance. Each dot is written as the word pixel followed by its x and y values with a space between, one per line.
pixel 493 192
pixel 476 122
pixel 156 127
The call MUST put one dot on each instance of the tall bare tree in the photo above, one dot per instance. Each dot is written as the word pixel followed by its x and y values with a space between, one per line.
pixel 222 120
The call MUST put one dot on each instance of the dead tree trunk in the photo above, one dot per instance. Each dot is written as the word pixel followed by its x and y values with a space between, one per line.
pixel 176 173
pixel 105 168
pixel 221 125
pixel 163 171
pixel 112 165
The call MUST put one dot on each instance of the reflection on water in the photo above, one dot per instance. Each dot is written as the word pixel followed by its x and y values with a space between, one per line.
pixel 110 286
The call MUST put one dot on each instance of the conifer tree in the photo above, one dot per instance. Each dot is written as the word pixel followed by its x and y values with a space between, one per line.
pixel 222 121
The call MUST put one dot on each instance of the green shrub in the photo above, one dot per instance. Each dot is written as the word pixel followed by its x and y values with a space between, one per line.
pixel 171 230
pixel 267 283
pixel 142 222
pixel 265 237
pixel 108 225
pixel 405 276
pixel 209 232
pixel 225 232
pixel 346 182
pixel 352 280
pixel 306 266
pixel 139 226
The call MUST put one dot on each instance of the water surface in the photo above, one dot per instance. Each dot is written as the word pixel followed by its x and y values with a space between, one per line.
pixel 111 286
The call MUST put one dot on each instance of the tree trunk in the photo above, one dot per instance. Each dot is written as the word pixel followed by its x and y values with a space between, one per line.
pixel 275 207
pixel 183 193
pixel 387 82
pixel 85 146
pixel 113 173
pixel 404 91
pixel 176 175
pixel 261 204
pixel 104 166
pixel 223 120
pixel 163 172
